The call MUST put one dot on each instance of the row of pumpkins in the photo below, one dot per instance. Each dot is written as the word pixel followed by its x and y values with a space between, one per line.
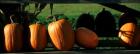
pixel 63 36
pixel 60 32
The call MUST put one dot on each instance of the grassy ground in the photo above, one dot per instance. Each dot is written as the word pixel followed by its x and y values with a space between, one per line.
pixel 72 11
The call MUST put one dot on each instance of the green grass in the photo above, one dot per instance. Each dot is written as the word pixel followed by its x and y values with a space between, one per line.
pixel 76 9
pixel 72 11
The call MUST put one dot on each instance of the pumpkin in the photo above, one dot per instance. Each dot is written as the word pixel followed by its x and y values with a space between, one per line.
pixel 61 34
pixel 128 30
pixel 105 24
pixel 126 34
pixel 13 36
pixel 86 20
pixel 86 38
pixel 38 39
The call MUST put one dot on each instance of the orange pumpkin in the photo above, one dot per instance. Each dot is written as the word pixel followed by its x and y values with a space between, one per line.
pixel 13 37
pixel 126 34
pixel 13 34
pixel 86 38
pixel 61 34
pixel 38 39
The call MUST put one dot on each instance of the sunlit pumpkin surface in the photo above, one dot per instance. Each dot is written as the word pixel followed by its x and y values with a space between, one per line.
pixel 127 32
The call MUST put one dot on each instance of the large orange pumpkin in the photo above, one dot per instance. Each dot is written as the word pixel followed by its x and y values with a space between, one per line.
pixel 126 34
pixel 38 39
pixel 61 34
pixel 13 37
pixel 86 38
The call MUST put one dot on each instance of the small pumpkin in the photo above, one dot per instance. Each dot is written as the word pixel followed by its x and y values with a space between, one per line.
pixel 85 20
pixel 13 37
pixel 61 34
pixel 86 38
pixel 38 39
pixel 128 30
pixel 127 33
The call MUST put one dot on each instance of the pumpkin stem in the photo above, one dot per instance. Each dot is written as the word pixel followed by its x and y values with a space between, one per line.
pixel 38 22
pixel 11 18
pixel 103 9
pixel 54 18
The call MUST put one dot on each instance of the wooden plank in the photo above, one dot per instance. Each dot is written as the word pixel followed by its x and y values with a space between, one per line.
pixel 122 8
pixel 69 1
pixel 84 52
